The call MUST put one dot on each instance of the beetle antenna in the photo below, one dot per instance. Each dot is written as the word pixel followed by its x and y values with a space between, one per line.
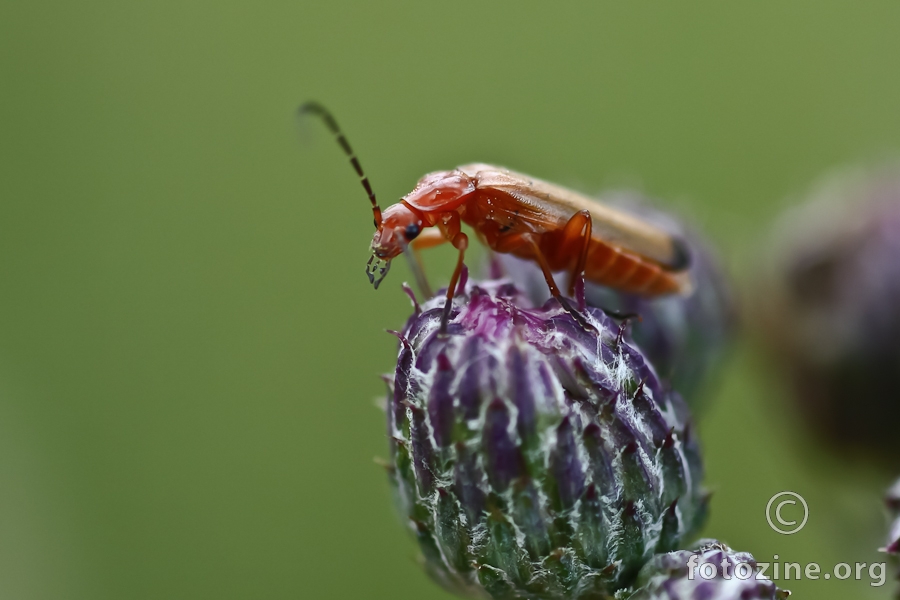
pixel 314 108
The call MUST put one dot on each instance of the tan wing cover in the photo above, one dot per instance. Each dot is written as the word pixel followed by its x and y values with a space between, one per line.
pixel 558 203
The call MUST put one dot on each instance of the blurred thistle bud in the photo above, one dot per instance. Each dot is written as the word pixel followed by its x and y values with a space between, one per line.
pixel 532 458
pixel 685 337
pixel 832 310
pixel 712 572
pixel 893 542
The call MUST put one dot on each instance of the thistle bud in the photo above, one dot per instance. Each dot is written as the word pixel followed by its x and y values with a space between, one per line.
pixel 531 457
pixel 712 572
pixel 684 336
pixel 832 308
pixel 893 542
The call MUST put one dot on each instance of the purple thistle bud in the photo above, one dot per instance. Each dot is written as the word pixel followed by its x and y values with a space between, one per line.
pixel 532 458
pixel 893 542
pixel 683 336
pixel 711 572
pixel 832 311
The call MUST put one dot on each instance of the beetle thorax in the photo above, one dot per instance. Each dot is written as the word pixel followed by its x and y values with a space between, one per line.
pixel 441 191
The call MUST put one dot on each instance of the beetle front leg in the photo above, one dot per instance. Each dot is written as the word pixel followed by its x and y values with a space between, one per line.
pixel 451 226
pixel 460 241
pixel 429 239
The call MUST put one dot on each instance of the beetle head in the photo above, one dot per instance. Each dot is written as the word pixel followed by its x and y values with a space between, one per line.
pixel 399 226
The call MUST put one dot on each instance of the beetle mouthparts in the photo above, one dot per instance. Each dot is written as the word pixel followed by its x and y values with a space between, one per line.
pixel 377 269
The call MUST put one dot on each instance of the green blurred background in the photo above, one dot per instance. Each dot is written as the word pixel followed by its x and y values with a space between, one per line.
pixel 189 348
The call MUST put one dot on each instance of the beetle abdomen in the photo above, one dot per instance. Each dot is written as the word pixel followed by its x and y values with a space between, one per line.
pixel 610 266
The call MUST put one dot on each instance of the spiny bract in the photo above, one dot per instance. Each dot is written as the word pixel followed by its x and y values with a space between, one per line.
pixel 727 575
pixel 532 458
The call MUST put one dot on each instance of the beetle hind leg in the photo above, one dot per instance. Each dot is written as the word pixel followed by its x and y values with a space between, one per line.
pixel 530 240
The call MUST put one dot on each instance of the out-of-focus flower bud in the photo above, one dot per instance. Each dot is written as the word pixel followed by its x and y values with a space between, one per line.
pixel 712 572
pixel 685 337
pixel 832 310
pixel 893 542
pixel 532 458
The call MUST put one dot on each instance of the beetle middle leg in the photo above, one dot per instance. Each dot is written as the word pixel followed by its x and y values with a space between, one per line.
pixel 575 237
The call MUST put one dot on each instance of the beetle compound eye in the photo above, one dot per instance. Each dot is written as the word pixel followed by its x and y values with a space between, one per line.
pixel 412 231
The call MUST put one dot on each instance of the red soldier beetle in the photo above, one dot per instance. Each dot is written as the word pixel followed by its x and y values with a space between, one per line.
pixel 559 229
